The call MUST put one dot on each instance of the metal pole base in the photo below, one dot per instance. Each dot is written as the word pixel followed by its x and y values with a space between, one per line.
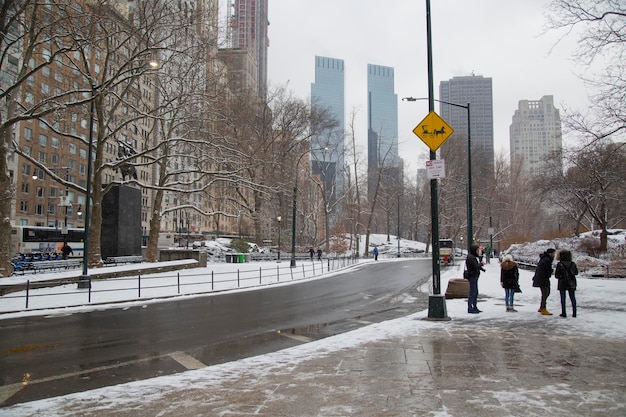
pixel 292 264
pixel 84 282
pixel 437 308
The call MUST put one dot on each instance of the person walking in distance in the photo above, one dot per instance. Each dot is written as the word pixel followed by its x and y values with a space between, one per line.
pixel 319 254
pixel 509 279
pixel 566 271
pixel 66 250
pixel 311 253
pixel 542 278
pixel 375 252
pixel 473 267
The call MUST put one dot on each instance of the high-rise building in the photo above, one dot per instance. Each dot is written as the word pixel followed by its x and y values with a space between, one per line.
pixel 477 91
pixel 535 134
pixel 327 93
pixel 382 125
pixel 246 56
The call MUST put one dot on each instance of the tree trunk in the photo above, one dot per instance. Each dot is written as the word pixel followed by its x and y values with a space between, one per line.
pixel 155 228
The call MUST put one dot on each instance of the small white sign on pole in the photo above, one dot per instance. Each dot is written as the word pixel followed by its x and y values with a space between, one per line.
pixel 435 168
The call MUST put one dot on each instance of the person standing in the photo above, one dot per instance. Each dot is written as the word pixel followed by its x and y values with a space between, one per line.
pixel 311 253
pixel 509 279
pixel 541 278
pixel 566 271
pixel 473 267
pixel 319 254
pixel 375 252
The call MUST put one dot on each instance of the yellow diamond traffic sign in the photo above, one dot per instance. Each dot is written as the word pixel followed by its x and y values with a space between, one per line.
pixel 433 131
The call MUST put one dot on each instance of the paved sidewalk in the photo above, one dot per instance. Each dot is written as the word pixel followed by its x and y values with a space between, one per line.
pixel 464 367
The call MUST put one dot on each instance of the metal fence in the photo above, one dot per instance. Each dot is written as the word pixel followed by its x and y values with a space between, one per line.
pixel 164 286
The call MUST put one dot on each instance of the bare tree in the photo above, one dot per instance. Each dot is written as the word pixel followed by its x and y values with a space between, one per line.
pixel 600 26
pixel 596 180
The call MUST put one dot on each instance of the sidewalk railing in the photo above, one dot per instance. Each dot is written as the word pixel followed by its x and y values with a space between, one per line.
pixel 164 286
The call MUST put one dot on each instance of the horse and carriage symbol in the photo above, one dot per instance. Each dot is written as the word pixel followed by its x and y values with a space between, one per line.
pixel 435 133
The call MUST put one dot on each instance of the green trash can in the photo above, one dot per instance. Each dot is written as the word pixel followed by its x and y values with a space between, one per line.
pixel 242 258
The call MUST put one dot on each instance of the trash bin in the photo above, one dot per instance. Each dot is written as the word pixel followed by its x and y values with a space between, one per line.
pixel 229 258
pixel 241 258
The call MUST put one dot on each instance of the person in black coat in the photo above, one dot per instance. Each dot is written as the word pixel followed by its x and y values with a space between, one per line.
pixel 509 279
pixel 566 271
pixel 543 272
pixel 473 267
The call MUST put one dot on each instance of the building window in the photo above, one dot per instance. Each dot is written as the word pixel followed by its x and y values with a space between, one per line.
pixel 23 206
pixel 55 142
pixel 83 153
pixel 43 140
pixel 25 169
pixel 54 158
pixel 28 133
pixel 42 157
pixel 25 187
pixel 39 209
pixel 72 147
pixel 40 192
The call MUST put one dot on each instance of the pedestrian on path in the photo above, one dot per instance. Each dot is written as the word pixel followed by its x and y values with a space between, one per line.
pixel 509 279
pixel 566 271
pixel 319 254
pixel 541 279
pixel 311 253
pixel 375 252
pixel 473 267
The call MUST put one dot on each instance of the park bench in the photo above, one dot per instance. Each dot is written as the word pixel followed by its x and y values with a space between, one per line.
pixel 39 266
pixel 117 260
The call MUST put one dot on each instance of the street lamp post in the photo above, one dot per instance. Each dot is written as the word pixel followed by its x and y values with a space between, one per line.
pixel 279 219
pixel 84 281
pixel 399 225
pixel 470 226
pixel 295 193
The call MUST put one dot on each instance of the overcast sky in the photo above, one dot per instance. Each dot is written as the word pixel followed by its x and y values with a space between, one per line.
pixel 493 38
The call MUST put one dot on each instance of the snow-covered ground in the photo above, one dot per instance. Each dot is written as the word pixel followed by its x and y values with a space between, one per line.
pixel 601 314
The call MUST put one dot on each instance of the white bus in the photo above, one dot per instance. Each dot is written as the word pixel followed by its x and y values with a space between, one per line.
pixel 45 240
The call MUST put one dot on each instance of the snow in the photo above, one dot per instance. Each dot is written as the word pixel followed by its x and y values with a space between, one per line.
pixel 600 306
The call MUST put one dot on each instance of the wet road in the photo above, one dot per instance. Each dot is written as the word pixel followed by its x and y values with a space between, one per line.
pixel 54 355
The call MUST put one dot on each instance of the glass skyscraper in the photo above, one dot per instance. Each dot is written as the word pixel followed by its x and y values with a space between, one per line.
pixel 382 124
pixel 477 91
pixel 327 92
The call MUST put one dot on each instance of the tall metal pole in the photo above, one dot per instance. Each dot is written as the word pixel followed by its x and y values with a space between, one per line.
pixel 470 225
pixel 84 281
pixel 399 225
pixel 436 303
pixel 293 224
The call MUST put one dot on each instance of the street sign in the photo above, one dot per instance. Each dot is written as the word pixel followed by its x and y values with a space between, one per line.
pixel 433 131
pixel 435 168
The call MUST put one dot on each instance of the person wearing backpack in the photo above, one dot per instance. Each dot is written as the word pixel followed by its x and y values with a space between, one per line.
pixel 566 271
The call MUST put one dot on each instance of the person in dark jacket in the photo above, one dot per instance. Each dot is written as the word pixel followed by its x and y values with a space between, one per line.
pixel 509 279
pixel 566 271
pixel 543 272
pixel 473 267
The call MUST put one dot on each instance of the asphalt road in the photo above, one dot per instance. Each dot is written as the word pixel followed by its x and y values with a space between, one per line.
pixel 42 357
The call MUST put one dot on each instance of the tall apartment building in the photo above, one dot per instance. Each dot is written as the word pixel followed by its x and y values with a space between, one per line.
pixel 247 39
pixel 59 140
pixel 477 91
pixel 535 134
pixel 382 125
pixel 328 92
